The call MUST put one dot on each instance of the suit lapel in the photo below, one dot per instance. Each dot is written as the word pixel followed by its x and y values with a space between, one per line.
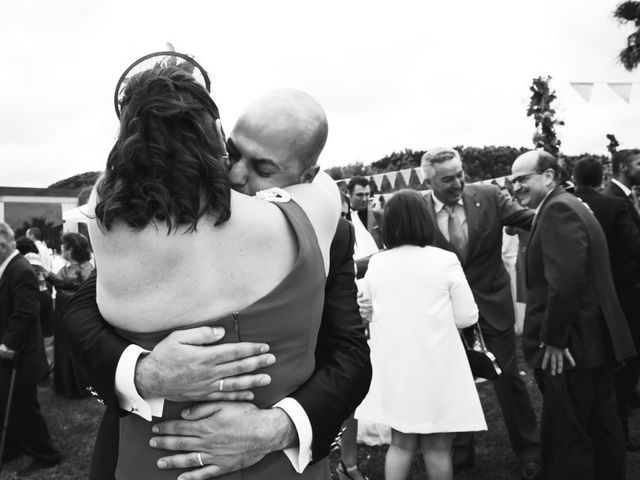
pixel 616 191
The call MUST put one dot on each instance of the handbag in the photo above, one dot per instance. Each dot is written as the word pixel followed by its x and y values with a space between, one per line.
pixel 483 363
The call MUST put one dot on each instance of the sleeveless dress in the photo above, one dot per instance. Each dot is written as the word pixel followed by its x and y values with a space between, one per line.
pixel 288 319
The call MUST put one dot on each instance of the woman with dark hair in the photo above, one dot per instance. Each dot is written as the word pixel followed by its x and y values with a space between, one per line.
pixel 177 248
pixel 422 386
pixel 77 253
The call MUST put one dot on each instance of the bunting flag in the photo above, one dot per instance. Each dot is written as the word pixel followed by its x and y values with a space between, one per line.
pixel 583 89
pixel 406 174
pixel 391 176
pixel 622 89
pixel 400 183
pixel 377 179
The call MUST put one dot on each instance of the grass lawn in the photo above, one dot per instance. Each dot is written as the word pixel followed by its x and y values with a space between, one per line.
pixel 74 423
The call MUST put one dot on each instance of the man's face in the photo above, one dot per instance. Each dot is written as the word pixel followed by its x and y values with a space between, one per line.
pixel 528 185
pixel 359 198
pixel 631 170
pixel 447 181
pixel 260 160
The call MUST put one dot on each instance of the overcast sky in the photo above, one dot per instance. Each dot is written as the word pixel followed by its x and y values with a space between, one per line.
pixel 391 75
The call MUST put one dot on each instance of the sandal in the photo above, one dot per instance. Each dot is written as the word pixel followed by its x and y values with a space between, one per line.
pixel 344 473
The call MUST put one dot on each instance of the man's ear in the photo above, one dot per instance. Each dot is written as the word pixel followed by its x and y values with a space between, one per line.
pixel 309 174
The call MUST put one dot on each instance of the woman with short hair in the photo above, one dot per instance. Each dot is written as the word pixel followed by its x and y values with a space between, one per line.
pixel 422 386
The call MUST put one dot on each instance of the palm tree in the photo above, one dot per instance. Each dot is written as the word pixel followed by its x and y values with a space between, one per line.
pixel 630 12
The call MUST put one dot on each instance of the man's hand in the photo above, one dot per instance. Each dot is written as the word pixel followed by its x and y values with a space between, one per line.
pixel 555 357
pixel 6 353
pixel 185 366
pixel 228 437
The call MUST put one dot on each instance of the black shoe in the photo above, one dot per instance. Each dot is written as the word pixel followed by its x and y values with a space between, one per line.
pixel 531 470
pixel 35 466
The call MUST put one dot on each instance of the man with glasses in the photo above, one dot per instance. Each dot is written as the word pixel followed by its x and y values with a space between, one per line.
pixel 470 219
pixel 574 328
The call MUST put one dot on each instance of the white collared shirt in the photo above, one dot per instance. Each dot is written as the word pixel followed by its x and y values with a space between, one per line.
pixel 442 216
pixel 4 264
pixel 623 187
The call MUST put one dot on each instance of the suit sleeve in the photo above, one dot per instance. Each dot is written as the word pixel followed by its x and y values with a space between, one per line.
pixel 26 305
pixel 511 214
pixel 343 369
pixel 628 233
pixel 565 259
pixel 94 344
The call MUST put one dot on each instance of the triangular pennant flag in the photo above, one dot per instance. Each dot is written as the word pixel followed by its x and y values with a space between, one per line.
pixel 500 181
pixel 378 180
pixel 420 172
pixel 391 176
pixel 622 89
pixel 583 89
pixel 406 174
pixel 374 188
pixel 414 180
pixel 400 183
pixel 386 185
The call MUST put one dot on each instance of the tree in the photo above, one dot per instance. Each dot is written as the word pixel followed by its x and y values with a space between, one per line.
pixel 544 115
pixel 630 12
pixel 79 181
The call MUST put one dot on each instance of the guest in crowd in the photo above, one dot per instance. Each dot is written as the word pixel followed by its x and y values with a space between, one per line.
pixel 622 232
pixel 35 235
pixel 29 250
pixel 626 177
pixel 365 221
pixel 574 330
pixel 77 253
pixel 470 220
pixel 20 335
pixel 418 296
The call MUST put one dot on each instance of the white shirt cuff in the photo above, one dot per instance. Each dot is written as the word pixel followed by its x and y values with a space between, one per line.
pixel 299 456
pixel 128 397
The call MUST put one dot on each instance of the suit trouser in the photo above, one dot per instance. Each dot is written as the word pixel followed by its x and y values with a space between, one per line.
pixel 581 432
pixel 626 380
pixel 27 430
pixel 513 398
pixel 105 452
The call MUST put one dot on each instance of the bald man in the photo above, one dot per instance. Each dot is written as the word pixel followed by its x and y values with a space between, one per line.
pixel 275 143
pixel 574 328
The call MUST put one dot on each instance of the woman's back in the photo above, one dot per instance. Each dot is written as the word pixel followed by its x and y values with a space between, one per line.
pixel 150 280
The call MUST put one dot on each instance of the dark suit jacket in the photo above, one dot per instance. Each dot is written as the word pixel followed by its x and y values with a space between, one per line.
pixel 571 300
pixel 623 238
pixel 338 385
pixel 488 210
pixel 20 324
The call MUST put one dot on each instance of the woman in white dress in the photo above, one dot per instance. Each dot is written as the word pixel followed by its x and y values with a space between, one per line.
pixel 422 386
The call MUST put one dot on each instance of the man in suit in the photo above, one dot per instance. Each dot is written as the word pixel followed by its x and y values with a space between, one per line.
pixel 626 175
pixel 21 341
pixel 623 239
pixel 343 371
pixel 470 220
pixel 574 328
pixel 364 219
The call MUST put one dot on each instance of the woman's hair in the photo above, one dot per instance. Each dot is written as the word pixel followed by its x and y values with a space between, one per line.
pixel 78 245
pixel 26 245
pixel 166 163
pixel 406 220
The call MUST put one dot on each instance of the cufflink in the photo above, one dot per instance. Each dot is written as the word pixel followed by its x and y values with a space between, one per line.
pixel 95 394
pixel 336 441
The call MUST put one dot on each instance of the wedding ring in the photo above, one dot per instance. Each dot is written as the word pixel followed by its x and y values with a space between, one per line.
pixel 221 384
pixel 199 455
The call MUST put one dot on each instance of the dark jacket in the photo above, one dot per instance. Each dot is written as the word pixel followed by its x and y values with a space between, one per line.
pixel 571 301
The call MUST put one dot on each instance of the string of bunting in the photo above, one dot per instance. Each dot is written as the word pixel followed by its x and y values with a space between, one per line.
pixel 390 182
pixel 621 89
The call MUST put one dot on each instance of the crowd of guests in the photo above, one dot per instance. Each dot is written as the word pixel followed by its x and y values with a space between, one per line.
pixel 34 293
pixel 426 267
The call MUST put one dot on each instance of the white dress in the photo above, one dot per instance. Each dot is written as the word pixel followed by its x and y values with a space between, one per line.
pixel 421 380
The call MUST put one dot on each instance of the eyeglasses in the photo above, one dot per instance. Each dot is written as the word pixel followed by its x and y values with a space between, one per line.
pixel 524 178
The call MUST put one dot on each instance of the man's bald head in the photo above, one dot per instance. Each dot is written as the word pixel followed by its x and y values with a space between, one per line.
pixel 277 141
pixel 535 173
